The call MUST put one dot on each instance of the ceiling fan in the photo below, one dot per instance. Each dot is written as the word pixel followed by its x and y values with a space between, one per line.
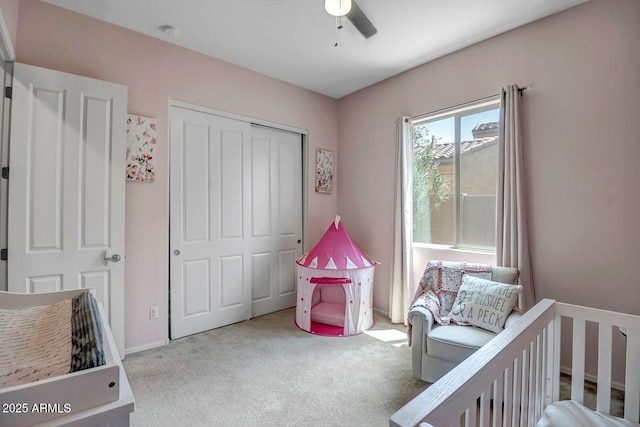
pixel 352 11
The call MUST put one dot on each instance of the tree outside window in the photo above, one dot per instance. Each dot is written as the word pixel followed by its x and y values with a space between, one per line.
pixel 430 187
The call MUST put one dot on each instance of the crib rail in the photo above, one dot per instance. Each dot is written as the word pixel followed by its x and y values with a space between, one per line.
pixel 511 380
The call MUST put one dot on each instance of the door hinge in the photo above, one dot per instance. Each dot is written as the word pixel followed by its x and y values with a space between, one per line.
pixel 8 92
pixel 3 254
pixel 5 172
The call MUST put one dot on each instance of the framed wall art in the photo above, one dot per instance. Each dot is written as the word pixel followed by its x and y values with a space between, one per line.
pixel 141 146
pixel 324 171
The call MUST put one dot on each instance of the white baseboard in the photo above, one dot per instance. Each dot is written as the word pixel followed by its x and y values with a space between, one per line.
pixel 594 379
pixel 146 346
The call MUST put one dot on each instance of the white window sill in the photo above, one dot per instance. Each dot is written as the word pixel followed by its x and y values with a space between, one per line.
pixel 453 249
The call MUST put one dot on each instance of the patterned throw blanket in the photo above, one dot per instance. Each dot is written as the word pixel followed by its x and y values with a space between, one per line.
pixel 439 287
pixel 47 341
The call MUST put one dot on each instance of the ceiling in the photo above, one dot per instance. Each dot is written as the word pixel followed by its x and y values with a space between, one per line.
pixel 293 40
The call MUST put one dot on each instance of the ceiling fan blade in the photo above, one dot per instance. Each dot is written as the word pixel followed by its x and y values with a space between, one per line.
pixel 360 21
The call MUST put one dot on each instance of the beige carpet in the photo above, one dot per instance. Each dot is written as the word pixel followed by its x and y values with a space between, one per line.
pixel 267 372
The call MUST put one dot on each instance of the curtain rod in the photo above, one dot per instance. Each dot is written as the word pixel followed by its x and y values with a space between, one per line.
pixel 459 106
pixel 522 89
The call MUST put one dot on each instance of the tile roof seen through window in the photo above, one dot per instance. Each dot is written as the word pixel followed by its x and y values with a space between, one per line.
pixel 484 130
pixel 445 151
pixel 484 135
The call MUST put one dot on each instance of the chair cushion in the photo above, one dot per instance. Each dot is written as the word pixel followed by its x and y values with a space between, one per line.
pixel 328 313
pixel 455 343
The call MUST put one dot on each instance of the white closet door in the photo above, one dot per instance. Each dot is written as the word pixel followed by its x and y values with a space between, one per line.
pixel 276 229
pixel 235 220
pixel 209 219
pixel 66 187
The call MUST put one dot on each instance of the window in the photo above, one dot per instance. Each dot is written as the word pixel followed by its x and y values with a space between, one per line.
pixel 455 164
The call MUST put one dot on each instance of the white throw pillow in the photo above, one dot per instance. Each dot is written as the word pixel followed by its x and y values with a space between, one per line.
pixel 484 303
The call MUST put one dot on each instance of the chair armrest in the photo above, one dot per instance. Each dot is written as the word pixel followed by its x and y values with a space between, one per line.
pixel 421 321
pixel 422 318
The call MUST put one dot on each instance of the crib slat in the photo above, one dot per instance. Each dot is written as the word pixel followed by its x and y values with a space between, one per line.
pixel 498 391
pixel 544 352
pixel 603 399
pixel 539 378
pixel 555 368
pixel 533 376
pixel 524 398
pixel 508 392
pixel 517 391
pixel 485 411
pixel 577 365
pixel 535 380
pixel 470 415
pixel 632 377
pixel 531 384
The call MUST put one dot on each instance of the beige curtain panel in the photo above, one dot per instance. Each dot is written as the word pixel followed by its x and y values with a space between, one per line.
pixel 400 295
pixel 512 243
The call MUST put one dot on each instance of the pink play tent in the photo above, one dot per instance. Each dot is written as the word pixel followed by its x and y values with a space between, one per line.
pixel 335 286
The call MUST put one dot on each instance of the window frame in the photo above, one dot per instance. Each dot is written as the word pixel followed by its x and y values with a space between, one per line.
pixel 469 108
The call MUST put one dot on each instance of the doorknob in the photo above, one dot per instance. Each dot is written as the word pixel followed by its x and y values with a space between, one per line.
pixel 113 258
pixel 108 258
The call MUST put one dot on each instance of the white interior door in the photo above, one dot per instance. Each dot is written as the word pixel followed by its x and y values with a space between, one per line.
pixel 232 233
pixel 67 187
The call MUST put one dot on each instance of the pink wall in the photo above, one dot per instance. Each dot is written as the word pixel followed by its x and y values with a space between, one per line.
pixel 582 127
pixel 155 71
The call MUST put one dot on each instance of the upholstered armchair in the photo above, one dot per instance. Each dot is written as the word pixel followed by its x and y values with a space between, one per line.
pixel 437 348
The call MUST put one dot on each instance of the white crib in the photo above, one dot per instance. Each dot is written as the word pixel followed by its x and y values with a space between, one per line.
pixel 516 376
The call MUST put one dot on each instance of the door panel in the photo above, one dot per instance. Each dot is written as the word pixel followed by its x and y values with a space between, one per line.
pixel 196 180
pixel 289 187
pixel 232 254
pixel 195 279
pixel 66 190
pixel 261 187
pixel 44 144
pixel 231 179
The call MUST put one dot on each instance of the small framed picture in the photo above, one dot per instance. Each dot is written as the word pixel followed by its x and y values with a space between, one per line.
pixel 141 145
pixel 324 171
